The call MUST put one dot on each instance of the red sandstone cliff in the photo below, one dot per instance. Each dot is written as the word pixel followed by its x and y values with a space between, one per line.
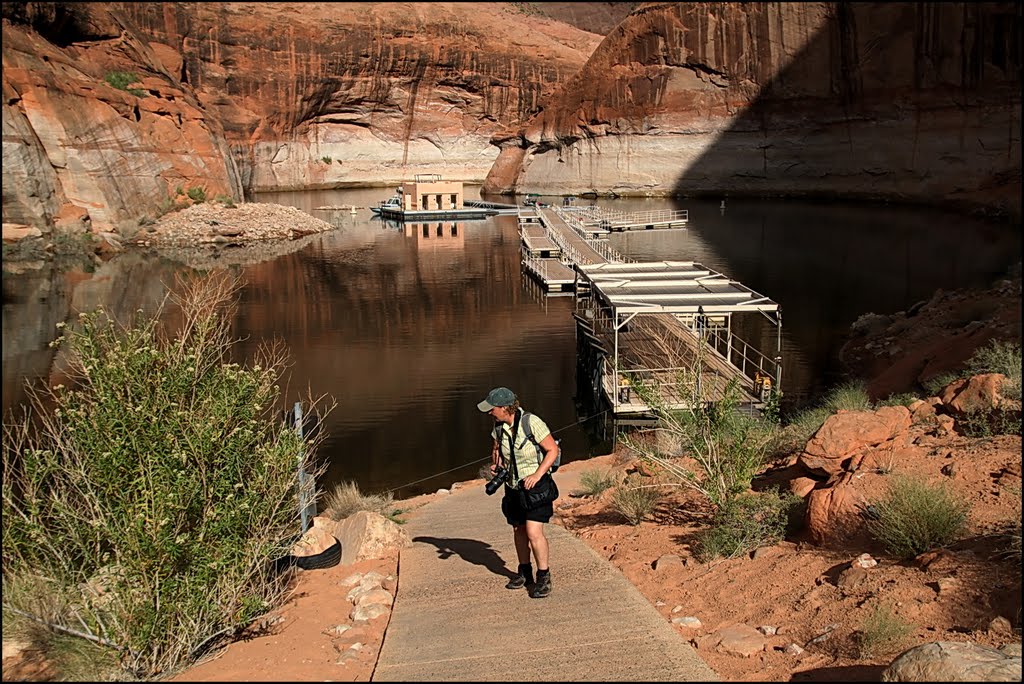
pixel 330 94
pixel 262 96
pixel 908 101
pixel 916 102
pixel 78 150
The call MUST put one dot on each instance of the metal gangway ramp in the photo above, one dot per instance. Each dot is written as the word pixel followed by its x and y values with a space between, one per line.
pixel 552 249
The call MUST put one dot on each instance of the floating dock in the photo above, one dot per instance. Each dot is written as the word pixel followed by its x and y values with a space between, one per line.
pixel 653 333
pixel 399 214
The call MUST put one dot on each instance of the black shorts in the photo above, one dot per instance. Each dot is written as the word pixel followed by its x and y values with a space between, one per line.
pixel 516 515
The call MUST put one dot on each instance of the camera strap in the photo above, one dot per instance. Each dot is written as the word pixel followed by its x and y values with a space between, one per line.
pixel 512 446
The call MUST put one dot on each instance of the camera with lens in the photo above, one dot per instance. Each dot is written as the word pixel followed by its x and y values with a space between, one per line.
pixel 499 477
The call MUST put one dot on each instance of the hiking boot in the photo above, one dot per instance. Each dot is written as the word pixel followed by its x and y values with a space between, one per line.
pixel 517 582
pixel 524 577
pixel 543 586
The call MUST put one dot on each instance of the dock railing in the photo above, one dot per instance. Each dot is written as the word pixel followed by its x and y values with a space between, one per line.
pixel 602 247
pixel 741 354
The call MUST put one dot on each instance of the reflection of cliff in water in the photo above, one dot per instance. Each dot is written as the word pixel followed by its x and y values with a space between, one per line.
pixel 35 302
pixel 398 332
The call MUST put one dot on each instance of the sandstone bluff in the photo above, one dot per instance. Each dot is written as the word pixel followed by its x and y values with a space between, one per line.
pixel 885 101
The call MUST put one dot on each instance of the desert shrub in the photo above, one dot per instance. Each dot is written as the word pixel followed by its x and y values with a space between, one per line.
pixel 326 160
pixel 804 424
pixel 344 499
pixel 594 482
pixel 68 242
pixel 882 632
pixel 850 396
pixel 153 495
pixel 197 194
pixel 999 357
pixel 635 499
pixel 936 383
pixel 902 399
pixel 30 605
pixel 916 516
pixel 727 446
pixel 748 522
pixel 227 200
pixel 122 79
pixel 988 423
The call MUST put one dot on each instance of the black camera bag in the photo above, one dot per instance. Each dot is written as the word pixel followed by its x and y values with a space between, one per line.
pixel 544 492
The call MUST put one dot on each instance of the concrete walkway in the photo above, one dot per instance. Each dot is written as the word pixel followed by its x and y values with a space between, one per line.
pixel 454 620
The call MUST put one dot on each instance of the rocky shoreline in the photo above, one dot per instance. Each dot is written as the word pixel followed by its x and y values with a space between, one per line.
pixel 214 223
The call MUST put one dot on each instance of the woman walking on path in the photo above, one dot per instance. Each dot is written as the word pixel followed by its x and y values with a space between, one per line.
pixel 527 455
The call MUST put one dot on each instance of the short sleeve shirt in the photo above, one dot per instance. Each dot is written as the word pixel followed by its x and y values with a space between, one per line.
pixel 528 457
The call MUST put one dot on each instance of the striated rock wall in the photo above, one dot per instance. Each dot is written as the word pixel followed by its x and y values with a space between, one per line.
pixel 324 95
pixel 78 151
pixel 908 101
pixel 242 97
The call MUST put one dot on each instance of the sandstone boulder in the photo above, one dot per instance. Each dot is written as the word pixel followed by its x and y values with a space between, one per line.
pixel 315 540
pixel 833 513
pixel 977 393
pixel 945 661
pixel 844 434
pixel 365 535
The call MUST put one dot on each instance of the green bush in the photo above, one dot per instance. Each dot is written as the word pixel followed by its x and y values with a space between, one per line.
pixel 882 633
pixel 749 521
pixel 916 516
pixel 594 482
pixel 122 79
pixel 804 424
pixel 728 447
pixel 999 357
pixel 154 497
pixel 850 396
pixel 901 399
pixel 936 383
pixel 326 160
pixel 344 499
pixel 988 423
pixel 635 499
pixel 197 194
pixel 227 200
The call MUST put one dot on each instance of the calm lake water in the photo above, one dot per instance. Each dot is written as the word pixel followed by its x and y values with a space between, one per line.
pixel 408 329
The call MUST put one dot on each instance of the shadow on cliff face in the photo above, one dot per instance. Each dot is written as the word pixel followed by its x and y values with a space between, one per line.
pixel 912 102
pixel 915 102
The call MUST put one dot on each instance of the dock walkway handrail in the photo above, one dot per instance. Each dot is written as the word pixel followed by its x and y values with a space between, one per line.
pixel 602 247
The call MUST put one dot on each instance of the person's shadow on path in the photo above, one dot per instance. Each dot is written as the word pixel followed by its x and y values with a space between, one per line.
pixel 470 550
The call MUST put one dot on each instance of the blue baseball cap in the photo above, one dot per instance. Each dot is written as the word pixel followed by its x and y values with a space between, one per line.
pixel 499 396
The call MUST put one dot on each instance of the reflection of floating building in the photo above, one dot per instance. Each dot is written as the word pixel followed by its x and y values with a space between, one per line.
pixel 428 197
pixel 436 234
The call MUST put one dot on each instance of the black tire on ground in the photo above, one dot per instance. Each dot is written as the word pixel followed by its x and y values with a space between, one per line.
pixel 327 558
